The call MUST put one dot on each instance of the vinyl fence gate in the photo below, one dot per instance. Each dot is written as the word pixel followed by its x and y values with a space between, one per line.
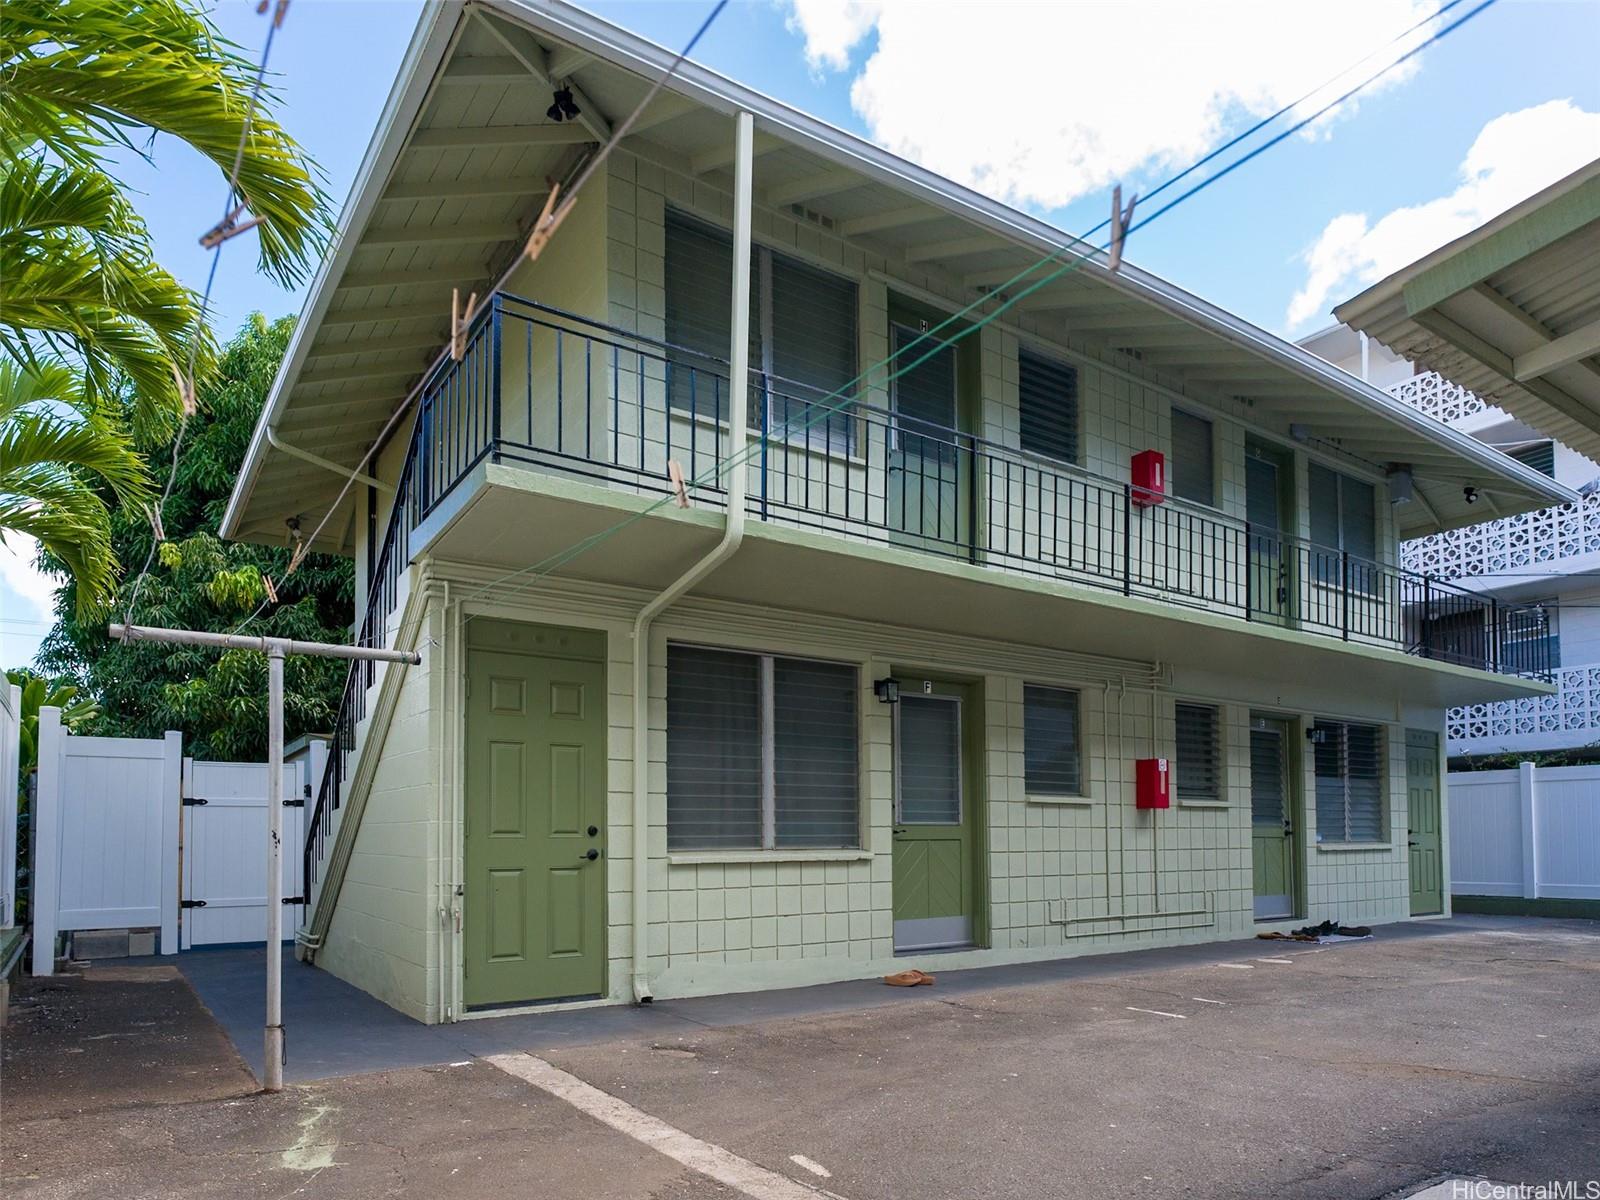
pixel 129 834
pixel 224 851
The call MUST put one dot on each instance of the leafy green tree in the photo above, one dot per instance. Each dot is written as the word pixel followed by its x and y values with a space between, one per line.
pixel 218 699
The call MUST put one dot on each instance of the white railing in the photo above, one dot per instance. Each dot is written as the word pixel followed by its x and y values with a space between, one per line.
pixel 1546 536
pixel 1437 397
pixel 1567 719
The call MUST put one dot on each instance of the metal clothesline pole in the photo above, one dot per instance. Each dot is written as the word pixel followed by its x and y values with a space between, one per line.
pixel 276 649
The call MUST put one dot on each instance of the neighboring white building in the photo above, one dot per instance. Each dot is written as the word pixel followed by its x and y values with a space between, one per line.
pixel 1551 556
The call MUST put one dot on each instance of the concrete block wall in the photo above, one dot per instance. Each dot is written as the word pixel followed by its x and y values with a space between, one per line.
pixel 1125 406
pixel 382 937
pixel 733 921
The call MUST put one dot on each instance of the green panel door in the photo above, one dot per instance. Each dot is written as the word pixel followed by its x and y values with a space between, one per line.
pixel 933 843
pixel 1422 807
pixel 534 912
pixel 1272 856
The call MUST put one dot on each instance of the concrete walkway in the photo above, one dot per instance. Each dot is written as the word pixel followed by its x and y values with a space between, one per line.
pixel 335 1030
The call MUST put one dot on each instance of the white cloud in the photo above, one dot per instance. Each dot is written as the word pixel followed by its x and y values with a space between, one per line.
pixel 1043 103
pixel 34 602
pixel 1513 156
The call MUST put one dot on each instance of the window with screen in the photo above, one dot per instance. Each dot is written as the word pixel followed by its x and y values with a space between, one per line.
pixel 1192 469
pixel 1052 742
pixel 1350 791
pixel 1047 394
pixel 803 335
pixel 762 752
pixel 699 322
pixel 1198 762
pixel 1344 520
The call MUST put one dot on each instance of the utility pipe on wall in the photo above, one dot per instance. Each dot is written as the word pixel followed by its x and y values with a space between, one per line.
pixel 732 535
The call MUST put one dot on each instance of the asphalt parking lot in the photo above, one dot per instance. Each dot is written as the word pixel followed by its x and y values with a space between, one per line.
pixel 1359 1070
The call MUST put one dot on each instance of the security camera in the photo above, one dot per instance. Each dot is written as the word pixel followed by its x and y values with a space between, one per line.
pixel 1469 494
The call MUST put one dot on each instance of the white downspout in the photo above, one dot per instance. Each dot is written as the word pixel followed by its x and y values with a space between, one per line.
pixel 732 535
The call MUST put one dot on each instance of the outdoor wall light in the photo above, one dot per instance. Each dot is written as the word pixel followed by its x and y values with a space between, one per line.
pixel 561 107
pixel 887 690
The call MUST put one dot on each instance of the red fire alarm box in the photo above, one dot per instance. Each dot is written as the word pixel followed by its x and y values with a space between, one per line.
pixel 1150 778
pixel 1149 478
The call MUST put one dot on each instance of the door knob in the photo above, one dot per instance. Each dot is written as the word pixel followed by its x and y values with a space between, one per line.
pixel 590 856
pixel 594 831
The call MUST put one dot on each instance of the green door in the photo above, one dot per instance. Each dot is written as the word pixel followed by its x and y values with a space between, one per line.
pixel 934 865
pixel 1268 550
pixel 534 911
pixel 1272 856
pixel 1422 808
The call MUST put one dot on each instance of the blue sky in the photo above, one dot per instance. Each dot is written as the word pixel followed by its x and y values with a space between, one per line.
pixel 1315 216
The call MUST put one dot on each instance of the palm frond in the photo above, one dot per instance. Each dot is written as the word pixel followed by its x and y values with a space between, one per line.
pixel 81 76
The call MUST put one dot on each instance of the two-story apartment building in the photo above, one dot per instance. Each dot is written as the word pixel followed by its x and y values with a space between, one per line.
pixel 882 681
pixel 1549 558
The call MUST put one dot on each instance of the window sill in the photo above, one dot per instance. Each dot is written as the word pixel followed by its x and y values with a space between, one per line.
pixel 1070 801
pixel 694 858
pixel 1348 847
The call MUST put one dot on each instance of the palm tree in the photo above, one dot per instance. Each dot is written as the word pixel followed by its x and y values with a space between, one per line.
pixel 80 290
pixel 79 76
pixel 55 447
pixel 79 282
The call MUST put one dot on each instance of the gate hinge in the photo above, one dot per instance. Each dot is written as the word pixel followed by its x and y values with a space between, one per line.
pixel 194 801
pixel 294 899
pixel 192 903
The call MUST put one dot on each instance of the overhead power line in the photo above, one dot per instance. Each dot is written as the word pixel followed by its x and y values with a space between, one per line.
pixel 215 239
pixel 545 226
pixel 838 399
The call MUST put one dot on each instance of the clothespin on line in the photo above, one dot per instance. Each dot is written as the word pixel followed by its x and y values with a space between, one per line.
pixel 277 17
pixel 549 220
pixel 460 322
pixel 153 512
pixel 272 590
pixel 228 227
pixel 185 391
pixel 679 487
pixel 1121 219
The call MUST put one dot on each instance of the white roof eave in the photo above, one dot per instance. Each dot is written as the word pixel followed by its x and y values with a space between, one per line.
pixel 435 34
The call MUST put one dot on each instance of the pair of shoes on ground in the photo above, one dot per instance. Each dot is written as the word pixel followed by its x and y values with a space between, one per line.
pixel 911 978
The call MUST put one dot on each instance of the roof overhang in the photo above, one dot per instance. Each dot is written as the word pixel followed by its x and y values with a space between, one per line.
pixel 1510 311
pixel 454 178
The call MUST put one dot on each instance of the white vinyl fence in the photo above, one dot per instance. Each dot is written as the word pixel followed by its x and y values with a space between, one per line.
pixel 129 834
pixel 10 764
pixel 1532 832
pixel 105 836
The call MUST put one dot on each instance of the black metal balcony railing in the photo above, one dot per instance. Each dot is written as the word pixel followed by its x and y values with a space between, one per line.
pixel 561 393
